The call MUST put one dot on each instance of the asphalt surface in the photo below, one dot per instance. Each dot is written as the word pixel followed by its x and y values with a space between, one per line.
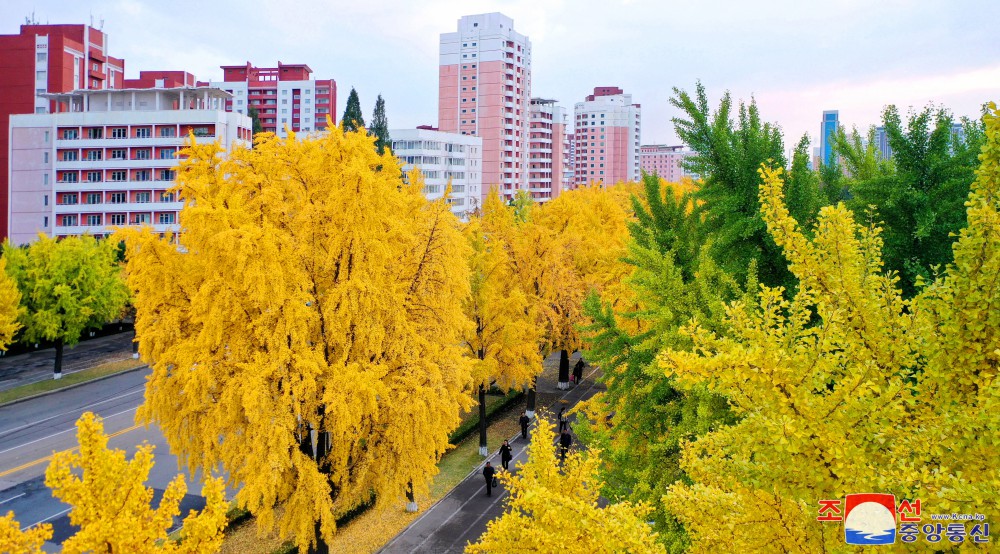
pixel 461 516
pixel 32 430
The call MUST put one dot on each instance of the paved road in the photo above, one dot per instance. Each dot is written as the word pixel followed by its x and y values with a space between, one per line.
pixel 461 516
pixel 32 367
pixel 32 430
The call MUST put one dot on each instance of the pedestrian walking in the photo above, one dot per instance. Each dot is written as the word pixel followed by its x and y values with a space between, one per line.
pixel 505 455
pixel 565 441
pixel 562 420
pixel 488 473
pixel 525 420
pixel 578 371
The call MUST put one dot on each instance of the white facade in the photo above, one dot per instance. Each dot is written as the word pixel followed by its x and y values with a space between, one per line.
pixel 443 158
pixel 279 109
pixel 110 161
pixel 550 172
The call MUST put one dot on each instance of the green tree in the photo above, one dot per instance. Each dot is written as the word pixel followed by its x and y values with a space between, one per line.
pixel 380 126
pixel 919 200
pixel 728 154
pixel 254 116
pixel 802 189
pixel 353 119
pixel 67 286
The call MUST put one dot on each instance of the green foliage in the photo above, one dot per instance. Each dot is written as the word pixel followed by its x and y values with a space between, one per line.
pixel 802 189
pixel 353 119
pixel 380 127
pixel 67 286
pixel 255 119
pixel 728 154
pixel 919 199
pixel 522 203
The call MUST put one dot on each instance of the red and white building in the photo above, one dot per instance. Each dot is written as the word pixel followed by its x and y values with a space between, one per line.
pixel 107 158
pixel 285 96
pixel 484 90
pixel 48 59
pixel 549 169
pixel 665 161
pixel 607 133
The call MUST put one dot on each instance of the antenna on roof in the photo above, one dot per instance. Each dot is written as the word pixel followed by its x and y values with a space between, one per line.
pixel 30 20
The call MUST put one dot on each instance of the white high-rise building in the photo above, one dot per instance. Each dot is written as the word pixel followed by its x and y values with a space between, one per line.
pixel 549 171
pixel 443 159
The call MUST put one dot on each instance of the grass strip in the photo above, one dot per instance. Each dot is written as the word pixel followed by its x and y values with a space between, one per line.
pixel 69 379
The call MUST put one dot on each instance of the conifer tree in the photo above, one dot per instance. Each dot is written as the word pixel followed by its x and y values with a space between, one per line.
pixel 380 127
pixel 67 286
pixel 353 118
pixel 305 332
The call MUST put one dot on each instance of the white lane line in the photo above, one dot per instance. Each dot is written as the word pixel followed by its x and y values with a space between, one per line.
pixel 12 498
pixel 85 407
pixel 66 431
pixel 25 528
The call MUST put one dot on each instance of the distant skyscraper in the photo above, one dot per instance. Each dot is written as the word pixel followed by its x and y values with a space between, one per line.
pixel 607 134
pixel 829 125
pixel 548 152
pixel 484 90
pixel 882 143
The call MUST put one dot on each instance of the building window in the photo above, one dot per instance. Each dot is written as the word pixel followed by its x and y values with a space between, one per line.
pixel 140 219
pixel 95 133
pixel 143 132
pixel 68 221
pixel 167 197
pixel 69 177
pixel 142 154
pixel 119 133
pixel 93 220
pixel 142 197
pixel 167 175
pixel 69 156
pixel 45 222
pixel 118 175
pixel 93 198
pixel 142 175
pixel 94 155
pixel 117 219
pixel 168 132
pixel 117 198
pixel 45 157
pixel 167 153
pixel 166 218
pixel 94 176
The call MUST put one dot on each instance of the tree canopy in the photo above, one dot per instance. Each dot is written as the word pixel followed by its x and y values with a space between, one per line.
pixel 380 127
pixel 353 118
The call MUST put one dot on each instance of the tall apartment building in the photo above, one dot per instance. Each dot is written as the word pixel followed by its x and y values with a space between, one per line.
pixel 828 126
pixel 43 59
pixel 443 159
pixel 607 133
pixel 106 158
pixel 665 161
pixel 484 87
pixel 549 171
pixel 285 96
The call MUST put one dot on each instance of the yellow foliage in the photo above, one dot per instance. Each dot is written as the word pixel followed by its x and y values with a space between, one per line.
pixel 553 510
pixel 312 291
pixel 503 338
pixel 15 541
pixel 10 306
pixel 847 388
pixel 111 505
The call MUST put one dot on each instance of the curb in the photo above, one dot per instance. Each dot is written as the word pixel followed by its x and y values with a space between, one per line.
pixel 73 386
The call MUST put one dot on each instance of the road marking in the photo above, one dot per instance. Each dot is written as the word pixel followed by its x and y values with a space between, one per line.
pixel 25 528
pixel 84 408
pixel 12 498
pixel 47 458
pixel 65 431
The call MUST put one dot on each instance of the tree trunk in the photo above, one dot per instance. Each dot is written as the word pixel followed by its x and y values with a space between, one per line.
pixel 529 409
pixel 411 502
pixel 483 448
pixel 320 547
pixel 57 372
pixel 135 343
pixel 563 369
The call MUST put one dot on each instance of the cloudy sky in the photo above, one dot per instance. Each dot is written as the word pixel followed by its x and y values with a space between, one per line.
pixel 796 57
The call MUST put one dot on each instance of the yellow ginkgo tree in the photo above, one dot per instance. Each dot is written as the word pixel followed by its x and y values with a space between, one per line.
pixel 111 504
pixel 305 332
pixel 846 387
pixel 10 306
pixel 553 508
pixel 15 541
pixel 503 338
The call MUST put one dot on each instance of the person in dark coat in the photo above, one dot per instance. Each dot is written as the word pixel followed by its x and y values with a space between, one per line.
pixel 505 455
pixel 488 472
pixel 578 371
pixel 525 420
pixel 562 420
pixel 565 441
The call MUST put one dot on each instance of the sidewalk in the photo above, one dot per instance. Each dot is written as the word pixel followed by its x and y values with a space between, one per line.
pixel 36 366
pixel 461 516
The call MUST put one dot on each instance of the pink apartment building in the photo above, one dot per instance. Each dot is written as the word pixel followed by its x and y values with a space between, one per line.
pixel 606 133
pixel 107 158
pixel 484 90
pixel 549 170
pixel 665 161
